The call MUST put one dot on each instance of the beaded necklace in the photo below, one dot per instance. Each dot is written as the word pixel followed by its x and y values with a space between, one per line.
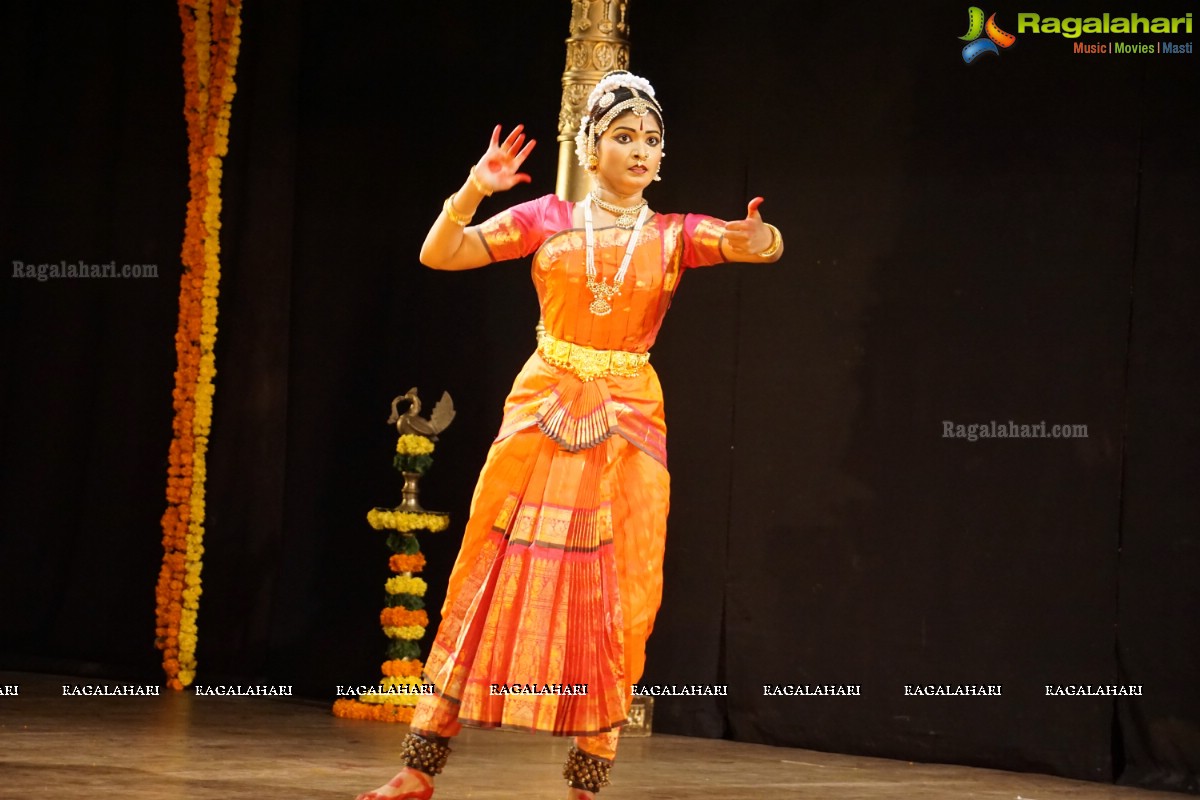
pixel 625 216
pixel 603 291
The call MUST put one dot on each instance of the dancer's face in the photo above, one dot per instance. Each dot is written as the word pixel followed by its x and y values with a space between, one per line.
pixel 629 153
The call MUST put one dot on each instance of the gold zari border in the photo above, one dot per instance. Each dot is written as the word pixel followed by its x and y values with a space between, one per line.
pixel 588 363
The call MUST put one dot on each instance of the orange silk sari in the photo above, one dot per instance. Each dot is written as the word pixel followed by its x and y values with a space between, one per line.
pixel 560 573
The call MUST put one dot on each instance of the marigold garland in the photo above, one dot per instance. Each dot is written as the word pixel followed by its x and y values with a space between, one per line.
pixel 396 691
pixel 411 632
pixel 381 712
pixel 409 601
pixel 401 562
pixel 402 668
pixel 403 618
pixel 406 521
pixel 403 648
pixel 399 617
pixel 404 545
pixel 409 700
pixel 211 42
pixel 411 444
pixel 413 454
pixel 403 584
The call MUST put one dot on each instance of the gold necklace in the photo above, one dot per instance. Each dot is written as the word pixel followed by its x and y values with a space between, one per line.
pixel 625 216
pixel 602 291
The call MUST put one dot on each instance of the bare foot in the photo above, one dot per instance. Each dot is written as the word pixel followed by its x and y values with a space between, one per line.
pixel 408 783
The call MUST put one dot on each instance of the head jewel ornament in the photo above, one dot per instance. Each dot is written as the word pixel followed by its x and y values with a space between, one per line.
pixel 603 97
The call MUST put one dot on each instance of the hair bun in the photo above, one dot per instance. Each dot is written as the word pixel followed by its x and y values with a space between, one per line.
pixel 616 80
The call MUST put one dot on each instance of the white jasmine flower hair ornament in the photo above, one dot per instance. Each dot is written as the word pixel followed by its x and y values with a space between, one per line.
pixel 615 80
pixel 602 108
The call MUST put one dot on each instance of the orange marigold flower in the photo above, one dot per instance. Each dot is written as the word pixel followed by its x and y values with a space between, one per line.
pixel 399 616
pixel 403 668
pixel 403 563
pixel 381 712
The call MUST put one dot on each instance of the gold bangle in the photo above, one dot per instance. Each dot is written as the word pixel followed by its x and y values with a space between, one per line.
pixel 776 242
pixel 461 220
pixel 479 185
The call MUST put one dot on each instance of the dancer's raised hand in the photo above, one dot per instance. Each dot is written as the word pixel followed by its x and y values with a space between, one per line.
pixel 743 235
pixel 499 169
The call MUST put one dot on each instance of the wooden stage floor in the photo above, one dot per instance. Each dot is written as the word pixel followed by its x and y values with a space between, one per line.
pixel 210 748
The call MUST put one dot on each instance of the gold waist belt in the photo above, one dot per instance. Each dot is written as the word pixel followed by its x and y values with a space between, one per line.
pixel 589 363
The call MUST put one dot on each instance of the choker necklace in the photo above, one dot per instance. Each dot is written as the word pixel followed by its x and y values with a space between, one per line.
pixel 625 216
pixel 603 291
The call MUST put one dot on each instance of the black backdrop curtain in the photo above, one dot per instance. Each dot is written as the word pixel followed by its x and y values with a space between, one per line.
pixel 1008 240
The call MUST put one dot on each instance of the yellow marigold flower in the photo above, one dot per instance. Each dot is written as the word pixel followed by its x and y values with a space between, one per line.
pixel 410 444
pixel 406 521
pixel 402 584
pixel 410 632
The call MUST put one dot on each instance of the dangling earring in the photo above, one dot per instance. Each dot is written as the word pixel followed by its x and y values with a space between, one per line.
pixel 593 163
pixel 658 172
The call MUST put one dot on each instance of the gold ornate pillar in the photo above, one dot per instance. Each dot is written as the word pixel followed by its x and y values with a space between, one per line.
pixel 599 43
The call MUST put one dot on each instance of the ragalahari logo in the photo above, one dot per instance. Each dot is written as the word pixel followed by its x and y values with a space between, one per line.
pixel 976 27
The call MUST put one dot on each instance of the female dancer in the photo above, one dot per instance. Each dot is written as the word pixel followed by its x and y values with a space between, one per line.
pixel 559 578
